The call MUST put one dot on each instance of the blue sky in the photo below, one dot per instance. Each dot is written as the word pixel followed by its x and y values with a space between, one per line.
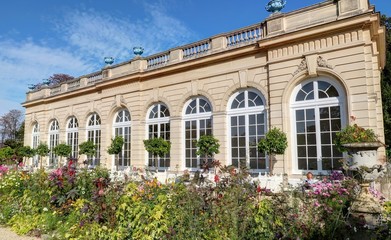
pixel 42 37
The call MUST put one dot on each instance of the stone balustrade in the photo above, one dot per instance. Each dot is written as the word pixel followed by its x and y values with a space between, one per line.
pixel 275 24
pixel 158 60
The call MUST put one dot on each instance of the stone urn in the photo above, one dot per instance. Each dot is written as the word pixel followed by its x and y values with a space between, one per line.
pixel 363 154
pixel 138 51
pixel 109 60
pixel 275 6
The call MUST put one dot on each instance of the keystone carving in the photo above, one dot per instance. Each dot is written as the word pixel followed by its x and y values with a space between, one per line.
pixel 302 66
pixel 323 63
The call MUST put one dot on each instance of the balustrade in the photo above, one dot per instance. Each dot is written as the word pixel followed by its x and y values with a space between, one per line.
pixel 94 77
pixel 241 37
pixel 197 49
pixel 55 90
pixel 158 60
pixel 245 36
pixel 74 85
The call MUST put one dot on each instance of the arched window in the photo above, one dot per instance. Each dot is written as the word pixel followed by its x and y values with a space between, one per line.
pixel 158 125
pixel 122 127
pixel 35 143
pixel 73 136
pixel 94 135
pixel 247 119
pixel 54 134
pixel 198 122
pixel 317 106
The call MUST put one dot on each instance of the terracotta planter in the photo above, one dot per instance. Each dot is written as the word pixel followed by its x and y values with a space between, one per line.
pixel 363 154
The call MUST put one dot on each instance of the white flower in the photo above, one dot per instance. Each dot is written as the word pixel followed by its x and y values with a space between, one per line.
pixel 45 209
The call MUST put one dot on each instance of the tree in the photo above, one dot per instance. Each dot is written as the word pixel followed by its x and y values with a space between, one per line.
pixel 157 147
pixel 275 142
pixel 6 153
pixel 386 82
pixel 25 152
pixel 87 148
pixel 42 150
pixel 59 78
pixel 115 148
pixel 62 150
pixel 207 146
pixel 10 124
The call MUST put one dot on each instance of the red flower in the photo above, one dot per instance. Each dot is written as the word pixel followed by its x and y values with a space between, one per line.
pixel 217 178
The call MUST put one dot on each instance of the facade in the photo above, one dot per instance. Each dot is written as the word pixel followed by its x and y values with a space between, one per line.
pixel 305 72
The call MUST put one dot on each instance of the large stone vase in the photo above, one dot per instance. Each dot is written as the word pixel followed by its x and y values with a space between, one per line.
pixel 363 154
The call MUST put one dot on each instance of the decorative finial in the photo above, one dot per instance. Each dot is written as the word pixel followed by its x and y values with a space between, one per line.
pixel 109 60
pixel 275 6
pixel 138 51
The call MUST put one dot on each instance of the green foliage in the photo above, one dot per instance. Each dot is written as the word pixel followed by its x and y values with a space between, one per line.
pixel 354 134
pixel 233 207
pixel 157 146
pixel 88 148
pixel 116 145
pixel 386 81
pixel 62 150
pixel 6 154
pixel 42 150
pixel 26 151
pixel 275 142
pixel 207 145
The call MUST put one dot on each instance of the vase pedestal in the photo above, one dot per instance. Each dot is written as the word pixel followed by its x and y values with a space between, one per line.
pixel 366 209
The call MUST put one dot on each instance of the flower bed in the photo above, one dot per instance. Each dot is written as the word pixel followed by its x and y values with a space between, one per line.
pixel 66 204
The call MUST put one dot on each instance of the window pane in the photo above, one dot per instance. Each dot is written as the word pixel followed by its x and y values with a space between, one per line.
pixel 299 115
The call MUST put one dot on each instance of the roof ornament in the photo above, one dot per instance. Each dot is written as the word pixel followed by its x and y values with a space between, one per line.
pixel 275 6
pixel 138 51
pixel 109 60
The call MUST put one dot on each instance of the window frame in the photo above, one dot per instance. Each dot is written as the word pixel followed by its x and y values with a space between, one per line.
pixel 54 131
pixel 197 116
pixel 72 136
pixel 96 131
pixel 159 120
pixel 246 111
pixel 316 104
pixel 123 125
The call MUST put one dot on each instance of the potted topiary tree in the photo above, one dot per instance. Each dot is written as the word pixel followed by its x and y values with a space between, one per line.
pixel 115 148
pixel 25 152
pixel 275 142
pixel 158 147
pixel 62 150
pixel 87 148
pixel 207 146
pixel 42 150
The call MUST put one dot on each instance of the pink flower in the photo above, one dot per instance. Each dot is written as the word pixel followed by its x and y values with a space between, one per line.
pixel 101 192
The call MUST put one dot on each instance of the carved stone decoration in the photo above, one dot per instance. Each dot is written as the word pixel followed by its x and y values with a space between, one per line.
pixel 302 66
pixel 323 63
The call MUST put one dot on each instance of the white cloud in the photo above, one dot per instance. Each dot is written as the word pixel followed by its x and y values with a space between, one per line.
pixel 87 37
pixel 28 62
pixel 98 34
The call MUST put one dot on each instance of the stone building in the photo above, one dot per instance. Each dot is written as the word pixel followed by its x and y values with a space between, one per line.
pixel 305 72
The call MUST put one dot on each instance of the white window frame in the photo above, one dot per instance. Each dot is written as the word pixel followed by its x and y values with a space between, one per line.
pixel 246 111
pixel 159 120
pixel 35 143
pixel 316 104
pixel 94 134
pixel 123 125
pixel 54 138
pixel 72 133
pixel 197 116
